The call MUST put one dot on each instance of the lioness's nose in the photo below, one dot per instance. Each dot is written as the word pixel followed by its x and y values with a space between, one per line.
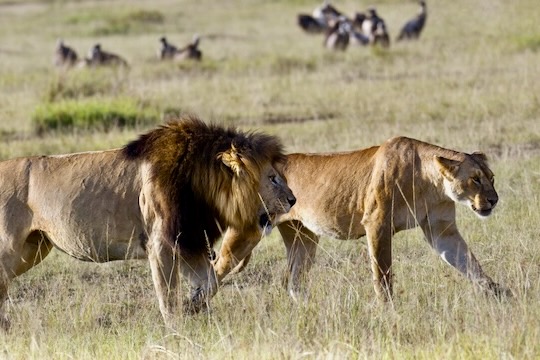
pixel 292 201
pixel 493 201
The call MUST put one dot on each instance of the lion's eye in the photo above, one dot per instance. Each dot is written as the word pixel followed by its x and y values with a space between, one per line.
pixel 273 179
pixel 476 180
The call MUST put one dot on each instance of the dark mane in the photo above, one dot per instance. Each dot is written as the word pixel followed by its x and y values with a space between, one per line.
pixel 193 187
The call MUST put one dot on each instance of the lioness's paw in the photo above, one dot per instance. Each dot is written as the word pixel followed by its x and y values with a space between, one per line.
pixel 196 303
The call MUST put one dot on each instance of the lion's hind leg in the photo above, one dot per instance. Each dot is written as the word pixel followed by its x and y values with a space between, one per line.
pixel 16 259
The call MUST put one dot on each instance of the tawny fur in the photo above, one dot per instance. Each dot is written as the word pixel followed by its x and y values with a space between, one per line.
pixel 162 197
pixel 377 192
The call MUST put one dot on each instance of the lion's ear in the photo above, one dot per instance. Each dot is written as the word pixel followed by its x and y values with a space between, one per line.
pixel 447 167
pixel 479 156
pixel 233 160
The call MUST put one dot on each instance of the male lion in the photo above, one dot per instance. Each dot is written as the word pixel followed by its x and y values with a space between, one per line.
pixel 163 197
pixel 377 192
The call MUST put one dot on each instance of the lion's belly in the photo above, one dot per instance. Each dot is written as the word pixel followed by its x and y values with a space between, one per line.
pixel 99 244
pixel 99 247
pixel 344 226
pixel 99 253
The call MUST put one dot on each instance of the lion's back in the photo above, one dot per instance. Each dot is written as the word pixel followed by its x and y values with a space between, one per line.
pixel 80 201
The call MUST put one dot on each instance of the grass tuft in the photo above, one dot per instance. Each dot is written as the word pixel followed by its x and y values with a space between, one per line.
pixel 528 42
pixel 92 114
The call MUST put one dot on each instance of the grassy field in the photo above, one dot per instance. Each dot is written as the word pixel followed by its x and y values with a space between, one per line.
pixel 470 83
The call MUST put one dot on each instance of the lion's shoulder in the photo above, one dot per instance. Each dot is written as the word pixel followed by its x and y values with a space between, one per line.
pixel 403 144
pixel 404 151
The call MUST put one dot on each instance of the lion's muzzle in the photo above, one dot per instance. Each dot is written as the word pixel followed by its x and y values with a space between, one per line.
pixel 485 208
pixel 482 212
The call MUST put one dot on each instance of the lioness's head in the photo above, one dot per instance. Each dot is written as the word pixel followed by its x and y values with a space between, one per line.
pixel 276 197
pixel 256 175
pixel 470 182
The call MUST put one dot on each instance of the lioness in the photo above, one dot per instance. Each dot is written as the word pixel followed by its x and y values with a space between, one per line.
pixel 163 197
pixel 377 192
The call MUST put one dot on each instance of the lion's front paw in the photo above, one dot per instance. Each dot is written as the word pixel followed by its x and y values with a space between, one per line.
pixel 196 303
pixel 192 308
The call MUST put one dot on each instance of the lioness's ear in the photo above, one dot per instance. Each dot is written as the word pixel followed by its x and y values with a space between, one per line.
pixel 479 156
pixel 447 167
pixel 232 159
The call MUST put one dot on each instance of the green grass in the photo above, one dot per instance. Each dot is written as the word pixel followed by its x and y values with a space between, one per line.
pixel 95 114
pixel 528 42
pixel 467 85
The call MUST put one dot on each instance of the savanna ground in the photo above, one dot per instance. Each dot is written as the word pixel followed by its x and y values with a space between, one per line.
pixel 470 83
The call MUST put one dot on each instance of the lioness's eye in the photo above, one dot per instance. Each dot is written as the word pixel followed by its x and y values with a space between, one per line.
pixel 476 180
pixel 492 180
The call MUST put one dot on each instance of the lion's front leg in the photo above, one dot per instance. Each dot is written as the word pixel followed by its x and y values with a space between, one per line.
pixel 301 245
pixel 198 270
pixel 164 269
pixel 445 239
pixel 236 246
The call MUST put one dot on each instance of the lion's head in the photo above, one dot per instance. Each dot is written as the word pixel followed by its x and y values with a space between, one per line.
pixel 257 164
pixel 276 197
pixel 469 181
pixel 207 178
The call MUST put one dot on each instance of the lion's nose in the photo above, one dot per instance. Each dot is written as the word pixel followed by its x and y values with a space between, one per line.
pixel 292 201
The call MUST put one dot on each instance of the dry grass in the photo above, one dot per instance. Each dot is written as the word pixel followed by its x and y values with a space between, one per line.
pixel 470 83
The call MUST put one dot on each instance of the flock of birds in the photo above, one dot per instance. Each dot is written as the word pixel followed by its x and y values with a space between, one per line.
pixel 365 28
pixel 66 56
